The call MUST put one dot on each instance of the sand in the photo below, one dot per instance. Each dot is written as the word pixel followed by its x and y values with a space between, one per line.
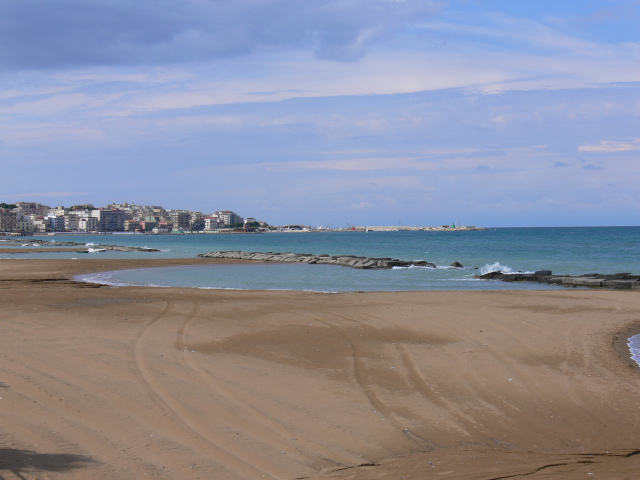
pixel 131 383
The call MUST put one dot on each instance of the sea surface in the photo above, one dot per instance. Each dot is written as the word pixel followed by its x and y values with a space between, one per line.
pixel 570 251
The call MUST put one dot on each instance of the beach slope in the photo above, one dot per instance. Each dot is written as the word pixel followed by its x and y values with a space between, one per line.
pixel 113 383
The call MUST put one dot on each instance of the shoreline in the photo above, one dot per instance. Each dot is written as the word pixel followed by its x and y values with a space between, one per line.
pixel 620 343
pixel 119 382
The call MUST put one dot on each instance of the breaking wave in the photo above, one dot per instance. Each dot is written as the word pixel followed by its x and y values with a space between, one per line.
pixel 496 267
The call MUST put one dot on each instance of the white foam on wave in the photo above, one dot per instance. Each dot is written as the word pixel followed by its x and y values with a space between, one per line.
pixel 408 267
pixel 634 348
pixel 106 278
pixel 437 267
pixel 495 267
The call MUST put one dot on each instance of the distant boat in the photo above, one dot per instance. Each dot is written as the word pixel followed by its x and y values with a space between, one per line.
pixel 96 250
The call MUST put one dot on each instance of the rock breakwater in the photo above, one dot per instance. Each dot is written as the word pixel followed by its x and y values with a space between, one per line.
pixel 594 280
pixel 342 260
pixel 117 248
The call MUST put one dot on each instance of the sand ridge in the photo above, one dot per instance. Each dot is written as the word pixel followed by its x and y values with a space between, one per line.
pixel 184 383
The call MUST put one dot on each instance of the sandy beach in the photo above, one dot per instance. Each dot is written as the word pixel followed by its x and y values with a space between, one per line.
pixel 129 383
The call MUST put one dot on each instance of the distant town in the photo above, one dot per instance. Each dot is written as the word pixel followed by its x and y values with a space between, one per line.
pixel 31 218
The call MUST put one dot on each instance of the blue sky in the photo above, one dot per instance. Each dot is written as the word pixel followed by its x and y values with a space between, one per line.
pixel 350 112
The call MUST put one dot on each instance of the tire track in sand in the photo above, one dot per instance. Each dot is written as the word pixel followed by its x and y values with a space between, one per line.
pixel 366 384
pixel 461 420
pixel 216 425
pixel 216 445
pixel 247 418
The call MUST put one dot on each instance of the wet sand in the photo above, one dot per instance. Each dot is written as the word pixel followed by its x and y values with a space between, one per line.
pixel 106 383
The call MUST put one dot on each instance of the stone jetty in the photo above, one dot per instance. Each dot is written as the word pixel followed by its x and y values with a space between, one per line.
pixel 595 280
pixel 342 260
pixel 47 243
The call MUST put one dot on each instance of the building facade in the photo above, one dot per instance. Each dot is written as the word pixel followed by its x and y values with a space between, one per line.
pixel 8 220
pixel 110 220
pixel 88 224
pixel 181 220
pixel 227 217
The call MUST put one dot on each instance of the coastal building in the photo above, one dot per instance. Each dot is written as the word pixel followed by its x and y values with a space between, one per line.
pixel 114 218
pixel 148 225
pixel 32 208
pixel 40 224
pixel 8 220
pixel 296 228
pixel 164 226
pixel 212 222
pixel 181 220
pixel 228 218
pixel 88 224
pixel 56 223
pixel 131 225
pixel 71 222
pixel 58 212
pixel 24 224
pixel 196 222
pixel 110 220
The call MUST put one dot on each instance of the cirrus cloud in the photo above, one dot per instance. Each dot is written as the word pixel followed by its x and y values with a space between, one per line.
pixel 606 146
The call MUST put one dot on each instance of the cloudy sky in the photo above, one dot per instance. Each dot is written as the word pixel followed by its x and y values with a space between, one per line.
pixel 327 112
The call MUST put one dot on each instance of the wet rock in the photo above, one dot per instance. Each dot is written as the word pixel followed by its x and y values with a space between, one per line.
pixel 588 280
pixel 325 259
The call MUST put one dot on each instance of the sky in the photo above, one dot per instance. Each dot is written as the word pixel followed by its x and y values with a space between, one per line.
pixel 334 113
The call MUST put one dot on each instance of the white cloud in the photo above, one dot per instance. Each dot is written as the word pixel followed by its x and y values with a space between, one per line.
pixel 607 146
pixel 354 164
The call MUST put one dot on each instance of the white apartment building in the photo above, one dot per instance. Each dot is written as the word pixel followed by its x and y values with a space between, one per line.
pixel 212 222
pixel 58 212
pixel 24 224
pixel 227 217
pixel 40 224
pixel 88 224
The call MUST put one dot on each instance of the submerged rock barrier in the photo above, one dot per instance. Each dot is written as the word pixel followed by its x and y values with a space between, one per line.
pixel 595 280
pixel 342 260
pixel 117 248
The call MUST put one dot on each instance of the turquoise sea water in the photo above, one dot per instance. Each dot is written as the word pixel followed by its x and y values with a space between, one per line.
pixel 571 251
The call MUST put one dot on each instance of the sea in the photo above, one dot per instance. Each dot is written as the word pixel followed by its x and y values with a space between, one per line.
pixel 564 250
